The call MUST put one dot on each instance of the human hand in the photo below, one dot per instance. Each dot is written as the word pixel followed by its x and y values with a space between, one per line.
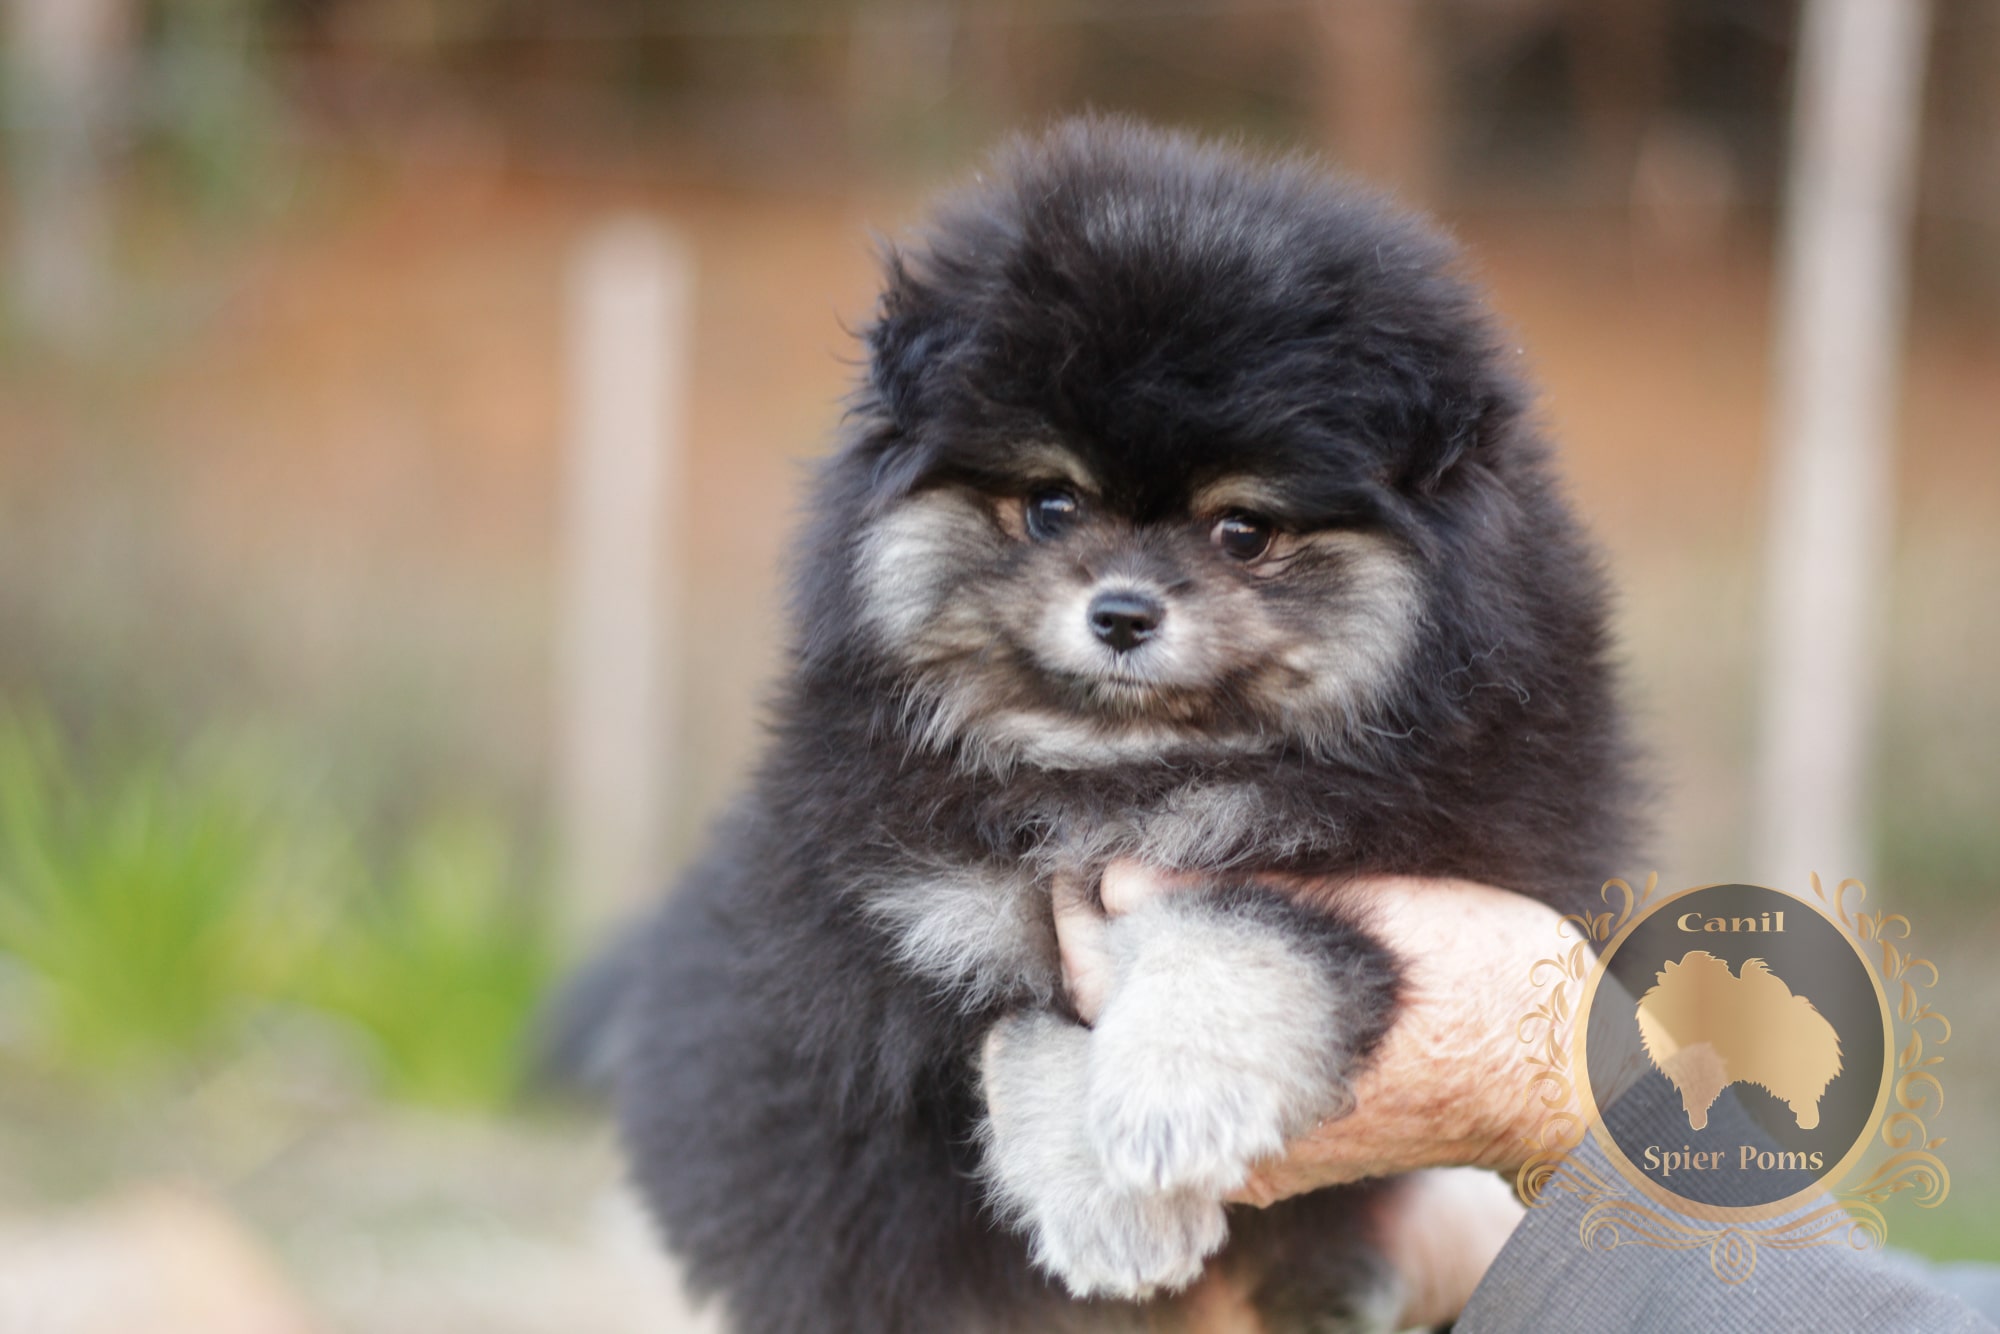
pixel 1448 1086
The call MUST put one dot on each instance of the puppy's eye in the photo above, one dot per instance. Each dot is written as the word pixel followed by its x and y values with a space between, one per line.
pixel 1051 512
pixel 1242 537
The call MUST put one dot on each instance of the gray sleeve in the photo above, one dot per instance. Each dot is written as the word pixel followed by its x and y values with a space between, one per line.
pixel 1545 1280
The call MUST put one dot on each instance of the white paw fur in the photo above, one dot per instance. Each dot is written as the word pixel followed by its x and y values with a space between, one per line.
pixel 1218 1044
pixel 1099 1237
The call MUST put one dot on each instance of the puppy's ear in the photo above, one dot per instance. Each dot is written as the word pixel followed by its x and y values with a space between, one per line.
pixel 911 342
pixel 1460 427
pixel 912 345
pixel 1452 434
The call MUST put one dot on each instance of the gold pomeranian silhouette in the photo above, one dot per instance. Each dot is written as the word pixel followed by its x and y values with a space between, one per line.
pixel 1706 1028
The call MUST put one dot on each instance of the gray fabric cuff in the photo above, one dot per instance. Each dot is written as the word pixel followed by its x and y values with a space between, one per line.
pixel 1547 1279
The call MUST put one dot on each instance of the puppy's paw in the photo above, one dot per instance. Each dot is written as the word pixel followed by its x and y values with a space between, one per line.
pixel 1226 1033
pixel 1165 1119
pixel 1130 1245
pixel 1097 1238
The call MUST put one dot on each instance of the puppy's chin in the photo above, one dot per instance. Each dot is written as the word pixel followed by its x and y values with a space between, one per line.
pixel 1049 739
pixel 1118 689
pixel 1001 718
pixel 1119 699
pixel 1003 709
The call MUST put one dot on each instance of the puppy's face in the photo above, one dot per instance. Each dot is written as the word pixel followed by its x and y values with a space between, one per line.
pixel 1160 449
pixel 1038 619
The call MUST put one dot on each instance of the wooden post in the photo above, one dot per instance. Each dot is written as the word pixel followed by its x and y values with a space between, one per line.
pixel 1840 307
pixel 630 306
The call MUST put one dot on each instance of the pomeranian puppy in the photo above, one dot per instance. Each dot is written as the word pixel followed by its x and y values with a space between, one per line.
pixel 1189 511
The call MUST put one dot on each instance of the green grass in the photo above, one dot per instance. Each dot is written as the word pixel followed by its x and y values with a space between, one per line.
pixel 133 900
pixel 153 901
pixel 441 964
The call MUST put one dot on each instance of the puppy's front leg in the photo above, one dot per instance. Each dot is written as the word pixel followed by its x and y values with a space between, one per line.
pixel 1234 1021
pixel 1095 1235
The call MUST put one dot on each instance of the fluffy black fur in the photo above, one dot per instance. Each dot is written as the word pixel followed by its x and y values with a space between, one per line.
pixel 801 1107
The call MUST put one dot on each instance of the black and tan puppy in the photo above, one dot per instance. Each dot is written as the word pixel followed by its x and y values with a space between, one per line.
pixel 1190 511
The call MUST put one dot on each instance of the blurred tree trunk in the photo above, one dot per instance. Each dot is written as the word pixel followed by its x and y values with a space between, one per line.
pixel 1960 191
pixel 1841 292
pixel 65 58
pixel 1619 72
pixel 1376 93
pixel 630 334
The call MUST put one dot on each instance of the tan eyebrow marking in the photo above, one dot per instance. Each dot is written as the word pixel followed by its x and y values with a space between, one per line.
pixel 1059 461
pixel 1237 493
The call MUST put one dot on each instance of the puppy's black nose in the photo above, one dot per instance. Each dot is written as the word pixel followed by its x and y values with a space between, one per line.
pixel 1125 620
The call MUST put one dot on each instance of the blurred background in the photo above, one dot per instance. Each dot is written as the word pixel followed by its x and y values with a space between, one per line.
pixel 339 337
